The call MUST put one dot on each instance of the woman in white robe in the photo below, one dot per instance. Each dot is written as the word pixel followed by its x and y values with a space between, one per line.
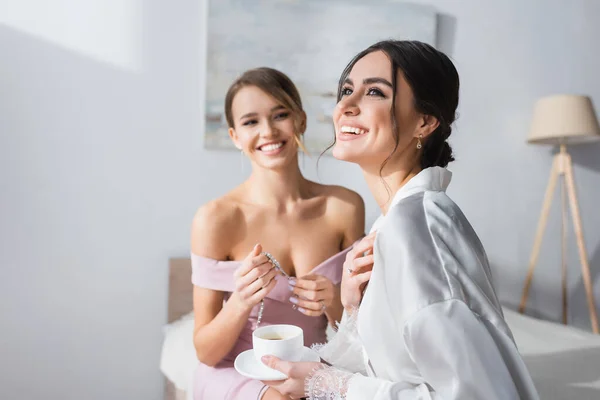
pixel 429 324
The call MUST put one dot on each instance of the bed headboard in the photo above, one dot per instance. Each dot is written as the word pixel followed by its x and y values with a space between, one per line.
pixel 180 288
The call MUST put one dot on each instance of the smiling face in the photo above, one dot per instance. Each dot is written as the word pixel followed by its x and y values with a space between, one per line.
pixel 365 131
pixel 264 129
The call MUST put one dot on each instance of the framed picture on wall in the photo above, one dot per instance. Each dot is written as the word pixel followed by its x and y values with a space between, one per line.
pixel 309 40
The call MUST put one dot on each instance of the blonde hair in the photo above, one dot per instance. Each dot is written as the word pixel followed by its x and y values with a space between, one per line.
pixel 300 144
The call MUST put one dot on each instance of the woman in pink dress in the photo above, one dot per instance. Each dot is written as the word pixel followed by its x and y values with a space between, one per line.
pixel 307 227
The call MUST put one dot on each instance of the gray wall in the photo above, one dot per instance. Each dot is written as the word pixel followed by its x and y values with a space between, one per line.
pixel 102 168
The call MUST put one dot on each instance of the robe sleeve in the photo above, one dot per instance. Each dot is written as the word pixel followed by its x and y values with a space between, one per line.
pixel 421 259
pixel 454 352
pixel 345 349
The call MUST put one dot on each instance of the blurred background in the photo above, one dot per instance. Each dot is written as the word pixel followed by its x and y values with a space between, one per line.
pixel 103 164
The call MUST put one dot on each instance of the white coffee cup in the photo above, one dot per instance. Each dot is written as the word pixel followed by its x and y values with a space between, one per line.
pixel 285 342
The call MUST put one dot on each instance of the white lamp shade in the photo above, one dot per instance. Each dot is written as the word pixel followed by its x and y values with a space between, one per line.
pixel 564 119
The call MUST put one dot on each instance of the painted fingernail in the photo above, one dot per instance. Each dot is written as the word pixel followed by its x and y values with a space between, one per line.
pixel 291 288
pixel 294 300
pixel 302 310
pixel 292 281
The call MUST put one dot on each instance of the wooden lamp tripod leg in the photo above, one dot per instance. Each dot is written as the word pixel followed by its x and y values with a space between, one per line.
pixel 563 237
pixel 585 267
pixel 540 230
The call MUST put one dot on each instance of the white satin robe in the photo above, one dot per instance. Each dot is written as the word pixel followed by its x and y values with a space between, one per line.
pixel 430 325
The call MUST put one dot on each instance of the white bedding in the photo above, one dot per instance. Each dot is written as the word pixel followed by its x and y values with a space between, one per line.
pixel 178 357
pixel 564 361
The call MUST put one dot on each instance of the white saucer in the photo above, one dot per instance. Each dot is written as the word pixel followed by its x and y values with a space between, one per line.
pixel 247 365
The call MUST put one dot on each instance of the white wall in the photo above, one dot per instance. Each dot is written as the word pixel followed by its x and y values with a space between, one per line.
pixel 102 167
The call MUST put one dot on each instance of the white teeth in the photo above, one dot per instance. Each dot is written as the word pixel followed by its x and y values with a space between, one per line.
pixel 271 147
pixel 351 129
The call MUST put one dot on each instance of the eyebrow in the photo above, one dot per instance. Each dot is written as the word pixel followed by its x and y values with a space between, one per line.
pixel 368 81
pixel 254 114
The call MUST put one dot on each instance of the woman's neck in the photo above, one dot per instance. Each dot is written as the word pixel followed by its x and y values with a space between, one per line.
pixel 278 189
pixel 386 184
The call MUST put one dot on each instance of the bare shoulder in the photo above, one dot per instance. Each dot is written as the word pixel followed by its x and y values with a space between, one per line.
pixel 213 226
pixel 347 209
pixel 344 200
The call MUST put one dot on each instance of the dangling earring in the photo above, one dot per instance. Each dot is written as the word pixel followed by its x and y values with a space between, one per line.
pixel 303 152
pixel 419 145
pixel 242 160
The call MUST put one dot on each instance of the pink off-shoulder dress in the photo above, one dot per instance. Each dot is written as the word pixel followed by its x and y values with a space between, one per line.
pixel 223 382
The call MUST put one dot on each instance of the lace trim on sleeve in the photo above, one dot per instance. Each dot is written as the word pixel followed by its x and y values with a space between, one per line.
pixel 345 349
pixel 327 383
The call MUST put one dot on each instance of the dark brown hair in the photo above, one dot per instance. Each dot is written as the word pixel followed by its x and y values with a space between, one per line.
pixel 435 85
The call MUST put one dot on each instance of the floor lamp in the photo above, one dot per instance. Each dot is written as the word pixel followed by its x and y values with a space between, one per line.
pixel 563 120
